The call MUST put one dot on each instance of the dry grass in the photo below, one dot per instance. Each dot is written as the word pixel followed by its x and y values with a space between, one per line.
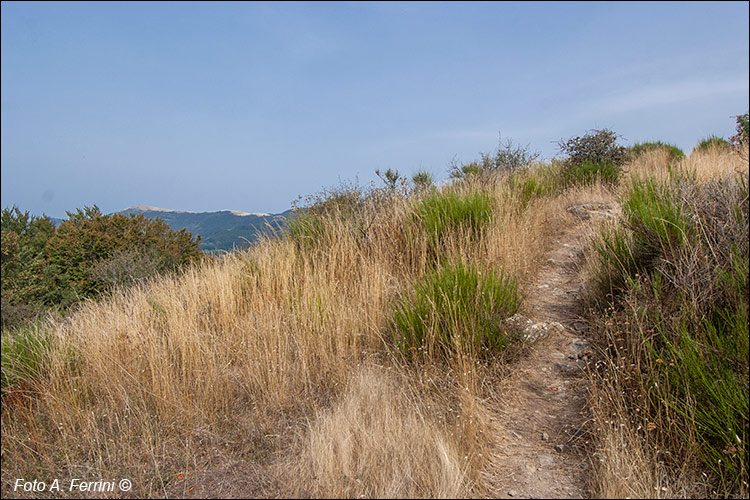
pixel 269 358
pixel 386 440
pixel 639 454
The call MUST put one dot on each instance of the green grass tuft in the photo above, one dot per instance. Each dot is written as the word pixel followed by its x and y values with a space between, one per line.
pixel 582 174
pixel 640 148
pixel 24 352
pixel 712 142
pixel 455 309
pixel 442 212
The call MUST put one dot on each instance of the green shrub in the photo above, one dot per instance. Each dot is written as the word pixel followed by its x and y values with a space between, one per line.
pixel 656 226
pixel 442 212
pixel 704 374
pixel 422 180
pixel 596 147
pixel 454 308
pixel 675 153
pixel 24 351
pixel 677 333
pixel 509 157
pixel 743 130
pixel 712 142
pixel 619 263
pixel 655 216
pixel 581 174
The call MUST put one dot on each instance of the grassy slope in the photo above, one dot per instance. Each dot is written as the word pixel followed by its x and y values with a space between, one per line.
pixel 277 360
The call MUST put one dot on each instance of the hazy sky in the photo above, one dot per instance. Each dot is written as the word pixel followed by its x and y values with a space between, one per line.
pixel 245 106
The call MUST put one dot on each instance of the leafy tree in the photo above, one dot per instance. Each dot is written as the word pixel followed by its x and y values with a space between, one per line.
pixel 88 238
pixel 23 263
pixel 44 266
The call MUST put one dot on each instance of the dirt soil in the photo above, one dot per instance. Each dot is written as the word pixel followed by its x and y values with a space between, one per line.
pixel 541 414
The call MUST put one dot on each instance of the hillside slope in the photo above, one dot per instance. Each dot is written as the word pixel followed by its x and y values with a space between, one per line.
pixel 222 230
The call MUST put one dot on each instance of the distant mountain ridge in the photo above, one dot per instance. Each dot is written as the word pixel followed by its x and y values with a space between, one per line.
pixel 223 230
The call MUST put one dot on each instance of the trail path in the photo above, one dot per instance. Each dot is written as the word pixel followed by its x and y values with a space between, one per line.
pixel 541 417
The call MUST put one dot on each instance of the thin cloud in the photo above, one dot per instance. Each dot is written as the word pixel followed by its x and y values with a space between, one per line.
pixel 668 94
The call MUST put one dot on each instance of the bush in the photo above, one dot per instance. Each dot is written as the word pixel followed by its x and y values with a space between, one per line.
pixel 45 267
pixel 596 147
pixel 440 212
pixel 743 130
pixel 509 157
pixel 675 153
pixel 24 351
pixel 422 180
pixel 581 174
pixel 678 332
pixel 453 309
pixel 88 237
pixel 126 268
pixel 711 143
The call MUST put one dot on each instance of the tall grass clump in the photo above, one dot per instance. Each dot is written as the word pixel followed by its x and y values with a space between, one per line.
pixel 538 182
pixel 440 213
pixel 712 142
pixel 455 309
pixel 674 153
pixel 675 337
pixel 25 351
pixel 586 173
pixel 655 225
pixel 655 216
pixel 383 439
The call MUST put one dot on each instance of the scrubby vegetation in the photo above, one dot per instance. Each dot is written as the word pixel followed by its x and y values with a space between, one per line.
pixel 508 157
pixel 359 352
pixel 593 156
pixel 712 142
pixel 675 153
pixel 670 288
pixel 47 268
pixel 455 310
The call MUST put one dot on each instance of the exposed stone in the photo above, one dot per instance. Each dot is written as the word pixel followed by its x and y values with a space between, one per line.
pixel 591 210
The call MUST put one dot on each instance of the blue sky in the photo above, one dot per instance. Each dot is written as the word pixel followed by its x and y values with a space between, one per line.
pixel 245 106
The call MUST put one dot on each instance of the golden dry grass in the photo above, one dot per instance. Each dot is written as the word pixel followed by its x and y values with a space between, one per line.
pixel 270 367
pixel 273 358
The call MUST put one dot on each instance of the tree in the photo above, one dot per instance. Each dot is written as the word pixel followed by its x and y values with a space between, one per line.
pixel 88 238
pixel 23 263
pixel 89 253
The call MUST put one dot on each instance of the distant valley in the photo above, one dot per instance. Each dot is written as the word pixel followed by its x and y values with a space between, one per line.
pixel 220 231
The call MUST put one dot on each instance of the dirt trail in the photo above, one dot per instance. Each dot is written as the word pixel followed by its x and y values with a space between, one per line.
pixel 541 417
